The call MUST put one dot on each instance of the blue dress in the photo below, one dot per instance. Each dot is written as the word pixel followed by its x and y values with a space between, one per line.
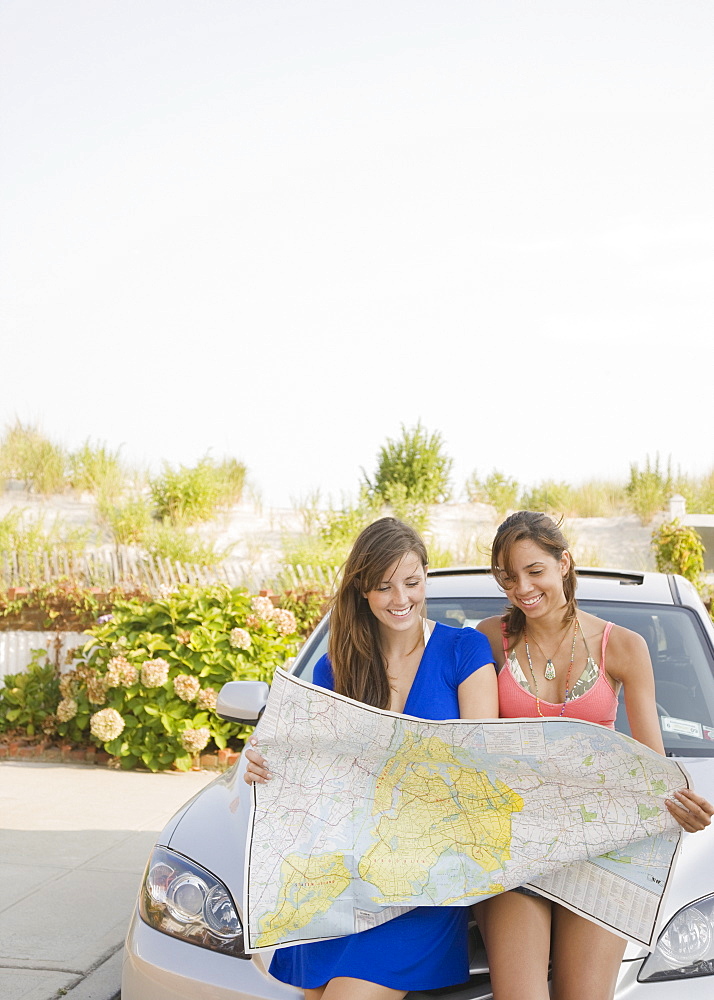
pixel 426 948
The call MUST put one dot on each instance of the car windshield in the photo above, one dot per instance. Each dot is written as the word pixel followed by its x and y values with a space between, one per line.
pixel 681 658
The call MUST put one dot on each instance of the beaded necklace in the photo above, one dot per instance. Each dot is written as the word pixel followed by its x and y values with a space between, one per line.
pixel 567 679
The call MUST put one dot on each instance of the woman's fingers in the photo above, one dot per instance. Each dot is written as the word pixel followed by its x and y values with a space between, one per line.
pixel 257 767
pixel 692 811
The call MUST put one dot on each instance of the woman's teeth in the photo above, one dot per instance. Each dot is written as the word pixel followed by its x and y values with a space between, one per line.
pixel 531 601
pixel 400 614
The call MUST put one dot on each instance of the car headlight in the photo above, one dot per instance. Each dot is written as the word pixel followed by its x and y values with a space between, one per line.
pixel 685 948
pixel 182 899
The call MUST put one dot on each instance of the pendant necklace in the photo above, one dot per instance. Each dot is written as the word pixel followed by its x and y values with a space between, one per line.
pixel 567 678
pixel 549 672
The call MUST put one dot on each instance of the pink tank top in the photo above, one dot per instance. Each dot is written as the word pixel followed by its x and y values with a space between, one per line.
pixel 598 704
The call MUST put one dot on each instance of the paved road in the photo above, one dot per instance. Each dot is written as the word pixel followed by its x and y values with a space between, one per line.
pixel 73 845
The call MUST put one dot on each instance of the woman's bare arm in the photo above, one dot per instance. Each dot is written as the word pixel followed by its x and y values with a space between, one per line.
pixel 628 661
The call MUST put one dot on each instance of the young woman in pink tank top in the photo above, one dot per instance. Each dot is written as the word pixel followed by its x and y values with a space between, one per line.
pixel 556 660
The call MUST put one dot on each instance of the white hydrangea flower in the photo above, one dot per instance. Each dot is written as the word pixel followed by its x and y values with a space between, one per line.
pixel 263 607
pixel 96 689
pixel 154 673
pixel 206 699
pixel 67 709
pixel 195 740
pixel 66 684
pixel 121 673
pixel 284 621
pixel 186 686
pixel 106 724
pixel 239 638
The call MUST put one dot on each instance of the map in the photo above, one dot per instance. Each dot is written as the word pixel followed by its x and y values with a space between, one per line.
pixel 370 813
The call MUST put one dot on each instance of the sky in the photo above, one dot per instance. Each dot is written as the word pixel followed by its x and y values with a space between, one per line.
pixel 282 230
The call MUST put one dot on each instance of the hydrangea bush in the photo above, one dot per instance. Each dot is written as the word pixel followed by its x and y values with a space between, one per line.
pixel 145 685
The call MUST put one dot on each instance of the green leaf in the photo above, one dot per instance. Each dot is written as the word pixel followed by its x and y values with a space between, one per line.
pixel 183 762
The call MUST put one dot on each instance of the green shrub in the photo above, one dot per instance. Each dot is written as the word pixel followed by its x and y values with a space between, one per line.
pixel 309 604
pixel 28 700
pixel 548 496
pixel 414 468
pixel 596 498
pixel 31 458
pixel 189 495
pixel 145 689
pixel 328 535
pixel 130 521
pixel 697 491
pixel 18 535
pixel 497 489
pixel 679 549
pixel 230 479
pixel 179 545
pixel 185 495
pixel 60 606
pixel 404 506
pixel 649 489
pixel 705 495
pixel 95 469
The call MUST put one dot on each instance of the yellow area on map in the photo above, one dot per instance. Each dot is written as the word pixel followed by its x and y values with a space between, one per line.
pixel 308 887
pixel 428 804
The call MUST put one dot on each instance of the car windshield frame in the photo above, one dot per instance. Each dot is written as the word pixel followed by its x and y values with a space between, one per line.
pixel 676 744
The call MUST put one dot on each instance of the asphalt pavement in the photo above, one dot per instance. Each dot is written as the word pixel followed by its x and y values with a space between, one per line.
pixel 74 841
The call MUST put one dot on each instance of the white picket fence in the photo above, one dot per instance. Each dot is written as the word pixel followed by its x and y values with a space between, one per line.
pixel 16 648
pixel 125 565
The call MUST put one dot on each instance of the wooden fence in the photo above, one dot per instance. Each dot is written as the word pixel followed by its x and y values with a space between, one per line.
pixel 126 565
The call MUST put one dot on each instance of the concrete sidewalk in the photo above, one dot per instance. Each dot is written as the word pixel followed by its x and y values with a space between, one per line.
pixel 74 841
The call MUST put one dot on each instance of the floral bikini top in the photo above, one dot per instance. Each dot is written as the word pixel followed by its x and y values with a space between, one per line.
pixel 587 679
pixel 592 697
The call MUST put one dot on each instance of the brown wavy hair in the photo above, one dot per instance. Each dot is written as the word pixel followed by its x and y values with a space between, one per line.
pixel 358 664
pixel 530 525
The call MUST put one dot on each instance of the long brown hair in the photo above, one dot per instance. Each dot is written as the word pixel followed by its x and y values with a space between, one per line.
pixel 530 525
pixel 358 664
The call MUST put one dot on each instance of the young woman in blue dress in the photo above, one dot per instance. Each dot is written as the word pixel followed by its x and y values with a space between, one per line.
pixel 383 651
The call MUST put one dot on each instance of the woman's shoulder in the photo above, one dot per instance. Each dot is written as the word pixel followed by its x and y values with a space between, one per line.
pixel 322 675
pixel 465 644
pixel 624 643
pixel 492 628
pixel 458 634
pixel 619 639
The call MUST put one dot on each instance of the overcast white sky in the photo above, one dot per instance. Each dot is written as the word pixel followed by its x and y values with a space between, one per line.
pixel 279 229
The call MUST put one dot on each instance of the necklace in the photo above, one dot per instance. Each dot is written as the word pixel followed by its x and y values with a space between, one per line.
pixel 549 672
pixel 567 679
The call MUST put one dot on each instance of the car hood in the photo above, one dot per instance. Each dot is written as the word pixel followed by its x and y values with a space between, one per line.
pixel 211 830
pixel 694 872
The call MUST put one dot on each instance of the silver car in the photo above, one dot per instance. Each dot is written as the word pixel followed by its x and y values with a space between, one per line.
pixel 185 941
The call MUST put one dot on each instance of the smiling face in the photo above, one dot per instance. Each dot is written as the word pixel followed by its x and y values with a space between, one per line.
pixel 534 582
pixel 396 601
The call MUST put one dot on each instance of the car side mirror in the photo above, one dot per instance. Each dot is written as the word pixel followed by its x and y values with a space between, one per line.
pixel 242 701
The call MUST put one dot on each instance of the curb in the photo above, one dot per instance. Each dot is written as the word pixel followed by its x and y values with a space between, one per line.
pixel 222 760
pixel 103 982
